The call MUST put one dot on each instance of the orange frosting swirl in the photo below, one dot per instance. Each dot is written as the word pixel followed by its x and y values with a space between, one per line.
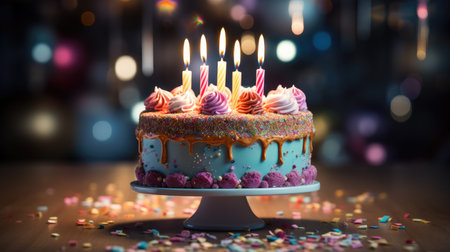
pixel 249 102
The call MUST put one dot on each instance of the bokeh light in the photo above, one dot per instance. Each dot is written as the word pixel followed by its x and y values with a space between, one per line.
pixel 102 131
pixel 321 123
pixel 136 111
pixel 400 108
pixel 422 11
pixel 88 18
pixel 411 88
pixel 63 56
pixel 246 22
pixel 376 154
pixel 298 25
pixel 367 125
pixel 166 6
pixel 286 50
pixel 41 53
pixel 125 68
pixel 322 41
pixel 248 44
pixel 237 12
pixel 332 149
pixel 128 96
pixel 43 124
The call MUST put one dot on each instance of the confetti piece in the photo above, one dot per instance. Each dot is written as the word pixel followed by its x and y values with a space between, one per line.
pixel 280 213
pixel 72 243
pixel 357 221
pixel 335 219
pixel 362 227
pixel 337 230
pixel 142 245
pixel 87 245
pixel 374 227
pixel 52 221
pixel 384 219
pixel 42 208
pixel 55 235
pixel 349 215
pixel 406 215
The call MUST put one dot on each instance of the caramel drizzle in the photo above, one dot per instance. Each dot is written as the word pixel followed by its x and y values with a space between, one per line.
pixel 228 141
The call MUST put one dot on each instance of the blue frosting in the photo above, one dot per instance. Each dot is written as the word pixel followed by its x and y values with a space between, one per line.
pixel 214 159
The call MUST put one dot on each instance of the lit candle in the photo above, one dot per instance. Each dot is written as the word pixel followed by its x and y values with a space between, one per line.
pixel 237 76
pixel 260 72
pixel 204 69
pixel 221 65
pixel 187 75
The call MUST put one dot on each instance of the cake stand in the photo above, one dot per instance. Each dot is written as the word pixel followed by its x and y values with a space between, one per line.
pixel 225 209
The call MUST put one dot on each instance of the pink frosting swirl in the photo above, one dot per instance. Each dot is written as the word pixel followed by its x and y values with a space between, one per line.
pixel 249 102
pixel 282 102
pixel 158 100
pixel 227 91
pixel 300 97
pixel 182 103
pixel 214 103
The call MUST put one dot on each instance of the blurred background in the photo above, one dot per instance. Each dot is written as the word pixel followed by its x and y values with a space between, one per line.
pixel 74 73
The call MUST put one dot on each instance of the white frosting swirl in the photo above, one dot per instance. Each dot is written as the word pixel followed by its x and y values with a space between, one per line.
pixel 182 103
pixel 282 102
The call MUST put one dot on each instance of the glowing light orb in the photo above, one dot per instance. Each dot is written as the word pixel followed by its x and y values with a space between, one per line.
pixel 400 108
pixel 125 68
pixel 41 53
pixel 248 44
pixel 376 154
pixel 88 18
pixel 322 41
pixel 43 124
pixel 136 111
pixel 166 6
pixel 422 11
pixel 63 56
pixel 237 12
pixel 411 88
pixel 102 131
pixel 286 50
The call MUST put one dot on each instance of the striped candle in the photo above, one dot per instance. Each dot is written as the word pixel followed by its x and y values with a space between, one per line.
pixel 221 65
pixel 204 69
pixel 260 73
pixel 187 75
pixel 237 76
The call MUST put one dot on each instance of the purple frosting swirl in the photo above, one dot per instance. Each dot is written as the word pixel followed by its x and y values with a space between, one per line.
pixel 214 103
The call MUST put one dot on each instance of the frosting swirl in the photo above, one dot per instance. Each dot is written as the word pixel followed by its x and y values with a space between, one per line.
pixel 179 90
pixel 300 97
pixel 227 91
pixel 281 101
pixel 214 103
pixel 158 100
pixel 182 103
pixel 249 102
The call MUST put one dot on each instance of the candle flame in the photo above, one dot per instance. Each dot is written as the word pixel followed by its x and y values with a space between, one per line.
pixel 237 54
pixel 203 48
pixel 222 43
pixel 186 53
pixel 261 50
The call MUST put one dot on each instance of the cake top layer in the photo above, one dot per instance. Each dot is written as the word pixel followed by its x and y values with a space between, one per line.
pixel 237 125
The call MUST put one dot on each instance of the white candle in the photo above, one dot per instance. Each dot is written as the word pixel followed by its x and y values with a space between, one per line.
pixel 260 73
pixel 187 75
pixel 204 69
pixel 237 76
pixel 221 65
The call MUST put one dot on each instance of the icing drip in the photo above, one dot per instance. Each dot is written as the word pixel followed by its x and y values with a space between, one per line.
pixel 158 100
pixel 182 103
pixel 281 102
pixel 249 102
pixel 228 142
pixel 214 103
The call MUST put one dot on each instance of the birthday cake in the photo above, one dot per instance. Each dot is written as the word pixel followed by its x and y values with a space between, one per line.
pixel 210 142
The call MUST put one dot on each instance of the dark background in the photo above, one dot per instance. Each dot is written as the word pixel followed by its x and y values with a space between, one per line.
pixel 378 93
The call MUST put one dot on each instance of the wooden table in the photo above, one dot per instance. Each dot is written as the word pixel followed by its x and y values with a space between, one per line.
pixel 419 189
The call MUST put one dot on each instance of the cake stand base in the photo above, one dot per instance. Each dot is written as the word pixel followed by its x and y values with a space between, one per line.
pixel 225 209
